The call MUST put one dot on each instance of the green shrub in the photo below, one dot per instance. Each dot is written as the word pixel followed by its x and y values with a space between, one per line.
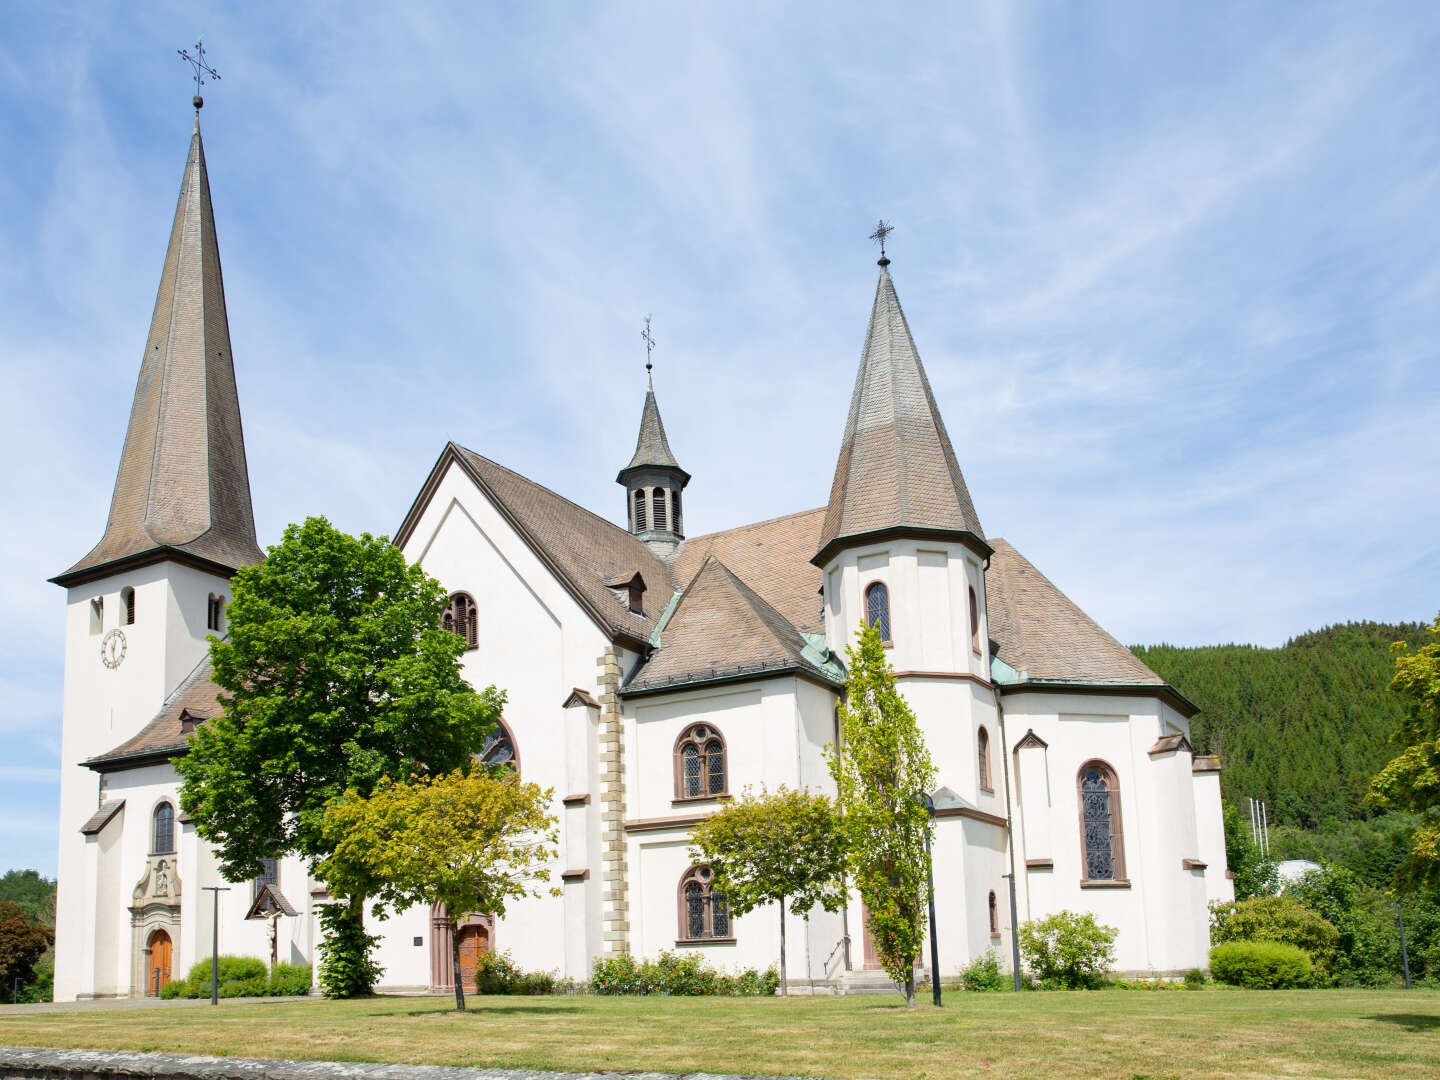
pixel 231 969
pixel 1261 965
pixel 1281 919
pixel 983 973
pixel 346 967
pixel 290 980
pixel 496 973
pixel 534 983
pixel 1195 979
pixel 242 976
pixel 1068 951
pixel 679 975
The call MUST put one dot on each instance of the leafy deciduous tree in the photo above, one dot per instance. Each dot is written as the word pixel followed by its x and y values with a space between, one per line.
pixel 881 770
pixel 784 849
pixel 471 840
pixel 1412 780
pixel 334 673
pixel 23 940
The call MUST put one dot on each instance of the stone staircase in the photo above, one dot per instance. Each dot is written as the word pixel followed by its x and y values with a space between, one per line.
pixel 866 981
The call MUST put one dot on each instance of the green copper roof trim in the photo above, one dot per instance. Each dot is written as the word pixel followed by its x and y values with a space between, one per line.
pixel 819 654
pixel 664 619
pixel 1002 673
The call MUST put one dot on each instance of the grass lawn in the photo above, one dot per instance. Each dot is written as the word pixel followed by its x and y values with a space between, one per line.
pixel 1213 1033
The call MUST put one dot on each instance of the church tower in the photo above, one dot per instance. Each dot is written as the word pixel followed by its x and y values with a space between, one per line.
pixel 142 602
pixel 653 481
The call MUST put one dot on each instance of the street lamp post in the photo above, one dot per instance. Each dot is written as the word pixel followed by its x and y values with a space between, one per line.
pixel 215 891
pixel 930 876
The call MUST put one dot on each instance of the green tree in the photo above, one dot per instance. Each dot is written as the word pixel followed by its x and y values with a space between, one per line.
pixel 471 840
pixel 334 673
pixel 882 769
pixel 1332 893
pixel 784 848
pixel 1278 918
pixel 34 894
pixel 1411 781
pixel 23 940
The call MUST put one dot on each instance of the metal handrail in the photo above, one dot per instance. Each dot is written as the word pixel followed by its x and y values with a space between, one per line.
pixel 845 941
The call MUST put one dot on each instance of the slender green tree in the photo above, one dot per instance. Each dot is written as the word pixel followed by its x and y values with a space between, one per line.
pixel 784 849
pixel 334 672
pixel 23 941
pixel 471 840
pixel 1411 782
pixel 882 770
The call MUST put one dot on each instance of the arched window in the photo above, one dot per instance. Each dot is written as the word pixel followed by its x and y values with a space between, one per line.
pixel 213 612
pixel 127 605
pixel 877 610
pixel 982 743
pixel 974 622
pixel 461 617
pixel 675 511
pixel 657 509
pixel 703 915
pixel 499 748
pixel 639 510
pixel 1102 844
pixel 994 916
pixel 699 763
pixel 162 835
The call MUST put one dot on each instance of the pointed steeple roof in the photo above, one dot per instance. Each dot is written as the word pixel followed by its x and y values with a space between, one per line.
pixel 897 470
pixel 183 489
pixel 652 449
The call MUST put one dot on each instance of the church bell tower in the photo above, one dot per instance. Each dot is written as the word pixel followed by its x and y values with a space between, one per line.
pixel 654 479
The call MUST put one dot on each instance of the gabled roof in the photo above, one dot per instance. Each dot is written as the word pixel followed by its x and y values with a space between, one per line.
pixel 162 738
pixel 897 469
pixel 722 629
pixel 183 488
pixel 591 557
pixel 652 448
pixel 1039 631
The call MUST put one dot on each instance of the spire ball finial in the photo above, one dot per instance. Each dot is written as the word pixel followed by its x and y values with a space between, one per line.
pixel 201 70
pixel 649 339
pixel 882 229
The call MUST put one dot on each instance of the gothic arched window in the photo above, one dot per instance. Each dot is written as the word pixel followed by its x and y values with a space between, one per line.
pixel 699 763
pixel 982 742
pixel 703 914
pixel 994 916
pixel 499 748
pixel 162 835
pixel 1102 844
pixel 657 509
pixel 974 622
pixel 877 610
pixel 639 509
pixel 461 617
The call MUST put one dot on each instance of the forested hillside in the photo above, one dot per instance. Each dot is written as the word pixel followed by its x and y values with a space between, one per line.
pixel 1304 726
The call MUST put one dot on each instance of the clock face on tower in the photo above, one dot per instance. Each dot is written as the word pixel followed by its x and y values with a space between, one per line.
pixel 112 648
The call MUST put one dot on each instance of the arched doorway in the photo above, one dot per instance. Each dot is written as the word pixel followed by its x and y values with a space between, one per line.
pixel 474 942
pixel 158 965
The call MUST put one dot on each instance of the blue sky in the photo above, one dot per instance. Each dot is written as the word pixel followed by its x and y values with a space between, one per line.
pixel 1174 270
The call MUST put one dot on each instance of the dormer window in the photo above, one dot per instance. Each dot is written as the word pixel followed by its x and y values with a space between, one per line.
pixel 462 617
pixel 127 605
pixel 189 722
pixel 636 595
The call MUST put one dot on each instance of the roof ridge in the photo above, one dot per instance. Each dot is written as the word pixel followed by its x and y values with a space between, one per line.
pixel 753 524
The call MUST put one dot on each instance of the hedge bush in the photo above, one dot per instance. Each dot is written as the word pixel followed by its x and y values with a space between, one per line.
pixel 496 973
pixel 983 973
pixel 1281 919
pixel 242 976
pixel 679 975
pixel 1261 965
pixel 1068 951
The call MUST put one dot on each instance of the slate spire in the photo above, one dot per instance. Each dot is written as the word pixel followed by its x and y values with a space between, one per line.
pixel 652 448
pixel 183 489
pixel 897 470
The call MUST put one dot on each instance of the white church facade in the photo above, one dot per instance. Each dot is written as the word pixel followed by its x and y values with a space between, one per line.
pixel 650 675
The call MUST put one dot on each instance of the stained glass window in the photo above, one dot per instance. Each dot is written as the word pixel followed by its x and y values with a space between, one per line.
pixel 1100 823
pixel 164 829
pixel 499 748
pixel 700 763
pixel 877 609
pixel 703 913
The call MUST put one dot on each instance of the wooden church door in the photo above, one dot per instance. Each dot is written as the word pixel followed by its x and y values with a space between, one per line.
pixel 159 973
pixel 474 943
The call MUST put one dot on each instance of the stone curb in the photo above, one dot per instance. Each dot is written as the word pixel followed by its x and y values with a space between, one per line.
pixel 37 1063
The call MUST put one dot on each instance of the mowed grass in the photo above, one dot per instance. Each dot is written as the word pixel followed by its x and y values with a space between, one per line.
pixel 1213 1033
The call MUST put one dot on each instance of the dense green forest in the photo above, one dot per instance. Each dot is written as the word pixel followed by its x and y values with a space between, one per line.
pixel 1303 727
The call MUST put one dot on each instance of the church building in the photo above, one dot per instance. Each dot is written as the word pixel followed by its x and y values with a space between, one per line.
pixel 650 676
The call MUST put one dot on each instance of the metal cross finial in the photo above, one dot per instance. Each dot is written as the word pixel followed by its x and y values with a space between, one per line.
pixel 201 69
pixel 649 339
pixel 882 230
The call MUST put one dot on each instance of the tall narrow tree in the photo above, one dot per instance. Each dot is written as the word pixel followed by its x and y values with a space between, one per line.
pixel 882 769
pixel 783 849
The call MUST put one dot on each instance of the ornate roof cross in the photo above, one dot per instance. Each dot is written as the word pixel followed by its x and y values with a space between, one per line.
pixel 882 230
pixel 649 339
pixel 201 69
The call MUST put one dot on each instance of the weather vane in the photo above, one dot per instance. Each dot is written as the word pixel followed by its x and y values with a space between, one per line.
pixel 649 339
pixel 201 69
pixel 882 230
